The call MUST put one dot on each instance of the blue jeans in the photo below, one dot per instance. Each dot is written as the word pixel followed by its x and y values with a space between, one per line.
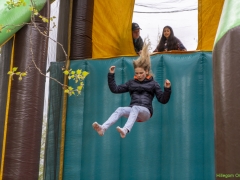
pixel 135 113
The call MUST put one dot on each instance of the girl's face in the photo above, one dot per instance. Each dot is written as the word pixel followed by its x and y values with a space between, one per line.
pixel 166 32
pixel 140 73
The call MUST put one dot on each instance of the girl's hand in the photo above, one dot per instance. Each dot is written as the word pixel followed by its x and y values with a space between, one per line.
pixel 112 69
pixel 167 84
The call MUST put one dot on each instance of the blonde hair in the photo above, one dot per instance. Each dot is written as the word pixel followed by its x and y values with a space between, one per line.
pixel 144 60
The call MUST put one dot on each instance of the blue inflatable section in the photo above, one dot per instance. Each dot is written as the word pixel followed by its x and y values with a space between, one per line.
pixel 177 143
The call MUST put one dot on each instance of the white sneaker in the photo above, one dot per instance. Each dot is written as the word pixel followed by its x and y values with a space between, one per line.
pixel 123 132
pixel 98 128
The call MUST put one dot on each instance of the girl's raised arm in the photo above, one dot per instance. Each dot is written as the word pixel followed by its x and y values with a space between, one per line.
pixel 112 69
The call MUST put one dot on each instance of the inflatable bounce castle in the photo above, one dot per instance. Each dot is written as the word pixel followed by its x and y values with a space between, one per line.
pixel 195 136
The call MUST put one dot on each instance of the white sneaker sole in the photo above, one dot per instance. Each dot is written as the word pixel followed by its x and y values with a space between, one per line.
pixel 98 128
pixel 120 130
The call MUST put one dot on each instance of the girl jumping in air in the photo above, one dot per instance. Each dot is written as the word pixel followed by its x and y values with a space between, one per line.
pixel 142 90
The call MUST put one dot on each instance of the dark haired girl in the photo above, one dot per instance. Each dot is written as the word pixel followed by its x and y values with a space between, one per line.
pixel 169 42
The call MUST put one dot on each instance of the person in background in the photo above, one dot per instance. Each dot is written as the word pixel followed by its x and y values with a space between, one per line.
pixel 142 89
pixel 137 40
pixel 169 42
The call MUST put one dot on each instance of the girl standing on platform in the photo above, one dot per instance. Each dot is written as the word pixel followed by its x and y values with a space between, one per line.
pixel 169 42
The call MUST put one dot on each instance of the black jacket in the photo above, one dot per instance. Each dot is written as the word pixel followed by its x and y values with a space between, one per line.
pixel 175 45
pixel 141 92
pixel 138 44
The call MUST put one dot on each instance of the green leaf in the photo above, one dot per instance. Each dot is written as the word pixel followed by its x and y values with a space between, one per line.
pixel 66 72
pixel 31 8
pixel 45 20
pixel 70 88
pixel 79 71
pixel 79 87
pixel 36 12
pixel 14 69
pixel 24 74
pixel 85 73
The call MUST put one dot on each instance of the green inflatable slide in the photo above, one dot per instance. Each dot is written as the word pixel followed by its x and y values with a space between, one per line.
pixel 13 19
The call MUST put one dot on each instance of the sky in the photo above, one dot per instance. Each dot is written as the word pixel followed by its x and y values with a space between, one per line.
pixel 181 15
